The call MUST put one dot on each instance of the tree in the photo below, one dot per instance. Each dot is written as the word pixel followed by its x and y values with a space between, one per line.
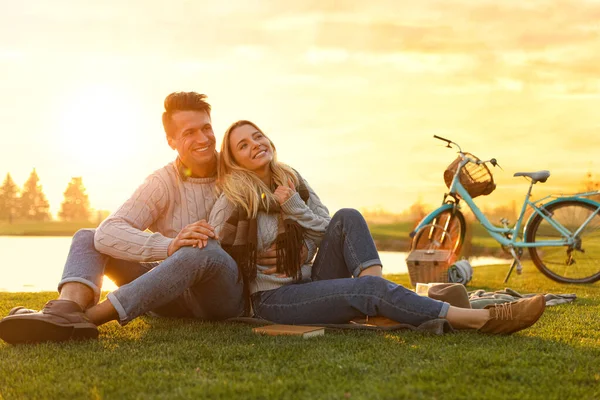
pixel 33 204
pixel 76 206
pixel 417 211
pixel 590 184
pixel 9 198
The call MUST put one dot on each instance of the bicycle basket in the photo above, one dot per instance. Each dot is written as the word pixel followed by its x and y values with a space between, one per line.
pixel 477 179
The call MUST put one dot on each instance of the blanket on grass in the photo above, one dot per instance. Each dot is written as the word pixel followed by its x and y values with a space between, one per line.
pixel 460 272
pixel 480 298
pixel 436 326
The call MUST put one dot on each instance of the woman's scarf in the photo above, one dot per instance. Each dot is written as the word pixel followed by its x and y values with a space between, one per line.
pixel 239 239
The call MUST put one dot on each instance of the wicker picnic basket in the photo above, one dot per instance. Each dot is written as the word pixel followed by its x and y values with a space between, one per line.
pixel 476 178
pixel 429 264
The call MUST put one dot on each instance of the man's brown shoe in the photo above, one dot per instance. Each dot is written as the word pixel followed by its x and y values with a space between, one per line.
pixel 512 317
pixel 58 321
pixel 20 310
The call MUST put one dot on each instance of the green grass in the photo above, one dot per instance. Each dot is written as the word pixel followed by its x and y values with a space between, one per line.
pixel 399 230
pixel 558 358
pixel 49 228
pixel 395 237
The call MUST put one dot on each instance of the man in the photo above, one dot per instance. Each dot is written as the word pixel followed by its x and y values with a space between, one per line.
pixel 195 277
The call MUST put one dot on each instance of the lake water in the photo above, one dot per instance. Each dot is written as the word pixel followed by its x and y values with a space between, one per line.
pixel 32 264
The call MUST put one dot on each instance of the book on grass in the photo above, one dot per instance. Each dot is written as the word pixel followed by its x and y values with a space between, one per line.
pixel 294 330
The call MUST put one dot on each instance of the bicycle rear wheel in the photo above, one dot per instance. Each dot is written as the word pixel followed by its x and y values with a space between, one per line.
pixel 579 263
pixel 446 231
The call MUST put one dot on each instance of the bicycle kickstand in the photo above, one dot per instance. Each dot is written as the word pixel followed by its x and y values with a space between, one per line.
pixel 516 263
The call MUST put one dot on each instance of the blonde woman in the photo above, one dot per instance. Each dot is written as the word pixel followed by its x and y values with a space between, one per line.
pixel 266 207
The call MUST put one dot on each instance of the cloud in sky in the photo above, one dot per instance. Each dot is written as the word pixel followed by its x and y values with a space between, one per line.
pixel 539 42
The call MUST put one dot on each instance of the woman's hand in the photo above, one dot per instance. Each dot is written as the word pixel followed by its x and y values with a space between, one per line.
pixel 283 193
pixel 195 235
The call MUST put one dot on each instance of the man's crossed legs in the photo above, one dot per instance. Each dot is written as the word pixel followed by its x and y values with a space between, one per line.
pixel 194 283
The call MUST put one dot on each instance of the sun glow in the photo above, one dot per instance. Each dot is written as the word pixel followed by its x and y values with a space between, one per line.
pixel 103 133
pixel 97 126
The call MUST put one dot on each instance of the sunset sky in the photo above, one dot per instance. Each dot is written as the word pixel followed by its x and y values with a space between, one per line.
pixel 351 92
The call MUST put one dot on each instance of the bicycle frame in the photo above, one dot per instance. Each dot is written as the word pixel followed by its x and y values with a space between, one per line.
pixel 509 236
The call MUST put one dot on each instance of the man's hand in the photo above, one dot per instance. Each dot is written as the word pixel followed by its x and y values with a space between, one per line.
pixel 195 235
pixel 283 193
pixel 269 257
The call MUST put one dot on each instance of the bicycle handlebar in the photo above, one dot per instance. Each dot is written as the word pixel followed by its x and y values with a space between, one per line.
pixel 449 144
pixel 441 138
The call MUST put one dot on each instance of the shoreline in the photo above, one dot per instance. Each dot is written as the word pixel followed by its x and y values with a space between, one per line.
pixel 403 245
pixel 382 244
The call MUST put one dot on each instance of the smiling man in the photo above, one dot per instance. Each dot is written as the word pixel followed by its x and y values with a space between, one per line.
pixel 157 247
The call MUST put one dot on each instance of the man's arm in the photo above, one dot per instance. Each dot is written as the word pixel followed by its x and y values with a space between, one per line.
pixel 123 234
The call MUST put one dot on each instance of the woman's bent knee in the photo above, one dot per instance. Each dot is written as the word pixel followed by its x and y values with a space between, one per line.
pixel 345 213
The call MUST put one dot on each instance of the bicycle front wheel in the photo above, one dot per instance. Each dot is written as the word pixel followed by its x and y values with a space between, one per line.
pixel 446 231
pixel 579 263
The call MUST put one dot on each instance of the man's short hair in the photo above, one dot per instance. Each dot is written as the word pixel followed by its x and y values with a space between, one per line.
pixel 182 101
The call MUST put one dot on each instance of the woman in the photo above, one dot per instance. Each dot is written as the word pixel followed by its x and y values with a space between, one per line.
pixel 266 205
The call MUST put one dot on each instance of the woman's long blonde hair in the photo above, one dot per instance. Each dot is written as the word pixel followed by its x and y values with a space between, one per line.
pixel 243 187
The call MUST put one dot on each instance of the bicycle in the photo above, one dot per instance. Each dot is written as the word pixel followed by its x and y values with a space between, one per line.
pixel 562 235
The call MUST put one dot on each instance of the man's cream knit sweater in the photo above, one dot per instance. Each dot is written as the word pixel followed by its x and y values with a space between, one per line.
pixel 142 228
pixel 164 204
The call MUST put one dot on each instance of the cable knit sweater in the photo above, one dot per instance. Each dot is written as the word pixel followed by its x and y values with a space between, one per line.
pixel 144 226
pixel 164 204
pixel 313 216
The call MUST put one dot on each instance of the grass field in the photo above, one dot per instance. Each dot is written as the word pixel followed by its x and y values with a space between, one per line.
pixel 558 358
pixel 51 228
pixel 395 237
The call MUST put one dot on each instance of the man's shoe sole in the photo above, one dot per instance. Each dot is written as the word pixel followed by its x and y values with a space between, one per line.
pixel 24 329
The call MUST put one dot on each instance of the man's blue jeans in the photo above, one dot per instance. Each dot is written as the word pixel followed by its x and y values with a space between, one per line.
pixel 195 283
pixel 333 296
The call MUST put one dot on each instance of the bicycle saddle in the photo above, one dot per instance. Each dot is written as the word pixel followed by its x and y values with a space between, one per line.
pixel 539 176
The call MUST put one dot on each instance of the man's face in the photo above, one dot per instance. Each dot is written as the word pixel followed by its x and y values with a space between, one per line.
pixel 193 138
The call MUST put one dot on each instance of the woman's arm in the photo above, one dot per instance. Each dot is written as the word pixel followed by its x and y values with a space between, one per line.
pixel 312 215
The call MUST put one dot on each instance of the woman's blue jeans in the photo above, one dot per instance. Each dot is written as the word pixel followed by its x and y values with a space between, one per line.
pixel 336 294
pixel 195 283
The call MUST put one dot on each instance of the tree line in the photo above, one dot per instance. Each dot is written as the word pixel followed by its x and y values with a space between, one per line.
pixel 30 202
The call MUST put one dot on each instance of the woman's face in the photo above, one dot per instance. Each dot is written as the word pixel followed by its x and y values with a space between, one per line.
pixel 250 148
